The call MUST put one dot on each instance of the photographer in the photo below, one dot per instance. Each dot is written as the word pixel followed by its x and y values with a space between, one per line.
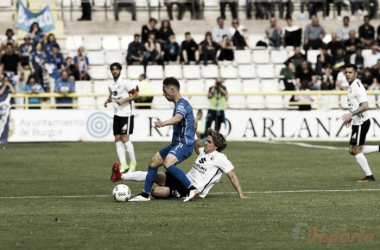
pixel 218 97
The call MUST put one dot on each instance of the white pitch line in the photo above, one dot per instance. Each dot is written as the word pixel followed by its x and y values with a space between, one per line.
pixel 216 193
pixel 307 145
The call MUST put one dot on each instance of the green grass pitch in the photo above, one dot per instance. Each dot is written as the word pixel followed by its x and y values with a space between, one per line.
pixel 59 196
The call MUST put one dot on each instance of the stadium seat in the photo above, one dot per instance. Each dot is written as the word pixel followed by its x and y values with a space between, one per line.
pixel 198 38
pixel 269 86
pixel 366 52
pixel 253 39
pixel 125 41
pixel 92 43
pixel 160 102
pixel 157 86
pixel 87 102
pixel 253 101
pixel 265 71
pixel 141 3
pixel 199 102
pixel 191 72
pixel 195 86
pixel 114 56
pixel 101 87
pixel 99 72
pixel 277 69
pixel 155 3
pixel 179 38
pixel 228 72
pixel 234 101
pixel 243 56
pixel 210 71
pixel 209 83
pixel 134 71
pixel 278 56
pixel 327 38
pixel 102 3
pixel 83 87
pixel 154 72
pixel 211 3
pixel 95 57
pixel 173 71
pixel 111 43
pixel 272 101
pixel 312 56
pixel 246 71
pixel 260 56
pixel 73 42
pixel 5 3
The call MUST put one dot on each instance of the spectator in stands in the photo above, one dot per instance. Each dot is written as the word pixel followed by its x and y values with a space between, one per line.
pixel 64 86
pixel 152 50
pixel 288 5
pixel 351 44
pixel 314 34
pixel 297 58
pixel 190 52
pixel 201 125
pixel 237 35
pixel 334 44
pixel 370 60
pixel 135 52
pixel 120 4
pixel 172 50
pixel 164 32
pixel 274 32
pixel 327 80
pixel 36 34
pixel 51 41
pixel 32 87
pixel 341 81
pixel 367 79
pixel 56 63
pixel 208 49
pixel 305 76
pixel 6 87
pixel 292 34
pixel 82 64
pixel 232 5
pixel 180 6
pixel 226 50
pixel 25 51
pixel 366 33
pixel 148 29
pixel 217 95
pixel 86 11
pixel 37 61
pixel 324 60
pixel 287 76
pixel 344 30
pixel 373 6
pixel 71 70
pixel 9 39
pixel 358 59
pixel 378 36
pixel 10 64
pixel 144 87
pixel 268 5
pixel 220 30
pixel 338 61
pixel 376 77
pixel 304 99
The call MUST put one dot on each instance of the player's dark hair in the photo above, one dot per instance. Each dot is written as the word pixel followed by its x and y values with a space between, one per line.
pixel 352 66
pixel 172 81
pixel 219 140
pixel 116 64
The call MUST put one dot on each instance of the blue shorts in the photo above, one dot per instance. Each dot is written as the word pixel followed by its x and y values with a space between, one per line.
pixel 179 150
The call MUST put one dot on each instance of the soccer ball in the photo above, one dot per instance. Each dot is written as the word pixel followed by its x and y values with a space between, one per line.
pixel 122 193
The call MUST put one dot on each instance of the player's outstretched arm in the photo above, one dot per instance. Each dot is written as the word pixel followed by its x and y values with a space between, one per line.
pixel 235 182
pixel 198 145
pixel 174 120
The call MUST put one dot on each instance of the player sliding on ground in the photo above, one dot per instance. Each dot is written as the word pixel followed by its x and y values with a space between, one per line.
pixel 358 106
pixel 206 171
pixel 182 145
pixel 122 93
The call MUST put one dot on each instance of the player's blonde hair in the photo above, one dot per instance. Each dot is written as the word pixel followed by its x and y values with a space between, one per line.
pixel 219 140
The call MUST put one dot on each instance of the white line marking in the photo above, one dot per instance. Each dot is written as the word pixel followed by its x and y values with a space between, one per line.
pixel 216 193
pixel 307 145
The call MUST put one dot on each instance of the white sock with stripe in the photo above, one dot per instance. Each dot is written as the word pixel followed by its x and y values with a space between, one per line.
pixel 120 150
pixel 363 163
pixel 131 150
pixel 138 176
pixel 370 149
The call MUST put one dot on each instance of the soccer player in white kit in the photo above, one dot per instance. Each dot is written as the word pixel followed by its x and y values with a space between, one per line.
pixel 206 171
pixel 122 93
pixel 358 115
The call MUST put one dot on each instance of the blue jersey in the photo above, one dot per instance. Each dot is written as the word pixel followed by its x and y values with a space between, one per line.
pixel 183 132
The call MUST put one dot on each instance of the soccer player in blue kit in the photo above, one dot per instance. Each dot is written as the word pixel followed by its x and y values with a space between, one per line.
pixel 180 149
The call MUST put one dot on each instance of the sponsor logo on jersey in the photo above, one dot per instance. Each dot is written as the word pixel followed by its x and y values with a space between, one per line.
pixel 114 93
pixel 202 160
pixel 181 108
pixel 199 168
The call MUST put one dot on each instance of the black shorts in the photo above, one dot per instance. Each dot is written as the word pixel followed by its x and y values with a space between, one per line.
pixel 174 183
pixel 123 125
pixel 359 132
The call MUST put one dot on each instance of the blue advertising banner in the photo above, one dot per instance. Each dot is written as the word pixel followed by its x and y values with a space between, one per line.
pixel 5 108
pixel 26 18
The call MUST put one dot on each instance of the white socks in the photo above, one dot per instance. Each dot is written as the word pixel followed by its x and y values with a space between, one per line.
pixel 131 150
pixel 120 149
pixel 363 163
pixel 138 176
pixel 370 149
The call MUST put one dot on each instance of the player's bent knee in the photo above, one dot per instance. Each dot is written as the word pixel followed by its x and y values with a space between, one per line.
pixel 155 193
